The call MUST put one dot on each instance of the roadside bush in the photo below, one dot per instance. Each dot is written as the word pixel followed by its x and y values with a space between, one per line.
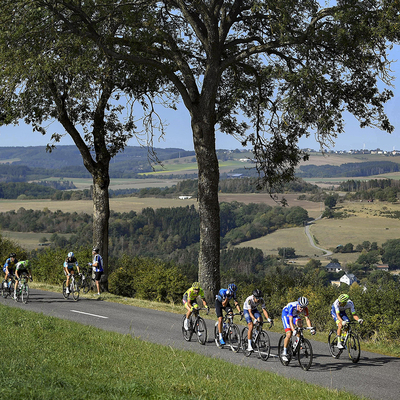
pixel 47 264
pixel 148 279
pixel 8 246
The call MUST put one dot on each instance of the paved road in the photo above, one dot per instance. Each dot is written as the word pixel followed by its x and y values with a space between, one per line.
pixel 374 376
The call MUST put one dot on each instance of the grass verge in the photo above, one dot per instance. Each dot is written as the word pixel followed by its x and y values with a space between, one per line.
pixel 54 358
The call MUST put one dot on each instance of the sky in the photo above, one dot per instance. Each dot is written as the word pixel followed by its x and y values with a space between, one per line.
pixel 178 131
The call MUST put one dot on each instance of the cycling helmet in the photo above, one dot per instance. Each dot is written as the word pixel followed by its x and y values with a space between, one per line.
pixel 27 263
pixel 13 255
pixel 70 254
pixel 95 249
pixel 343 298
pixel 232 287
pixel 196 285
pixel 303 301
pixel 257 293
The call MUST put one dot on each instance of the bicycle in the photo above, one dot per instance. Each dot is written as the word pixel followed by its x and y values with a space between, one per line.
pixel 86 282
pixel 260 341
pixel 197 325
pixel 299 347
pixel 73 288
pixel 22 291
pixel 230 332
pixel 350 340
pixel 7 287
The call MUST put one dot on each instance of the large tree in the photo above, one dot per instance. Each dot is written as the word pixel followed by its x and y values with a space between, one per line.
pixel 288 68
pixel 47 75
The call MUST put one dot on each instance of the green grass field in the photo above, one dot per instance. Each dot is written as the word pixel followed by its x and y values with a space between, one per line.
pixel 56 358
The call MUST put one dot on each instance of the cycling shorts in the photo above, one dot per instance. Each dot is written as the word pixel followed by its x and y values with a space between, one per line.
pixel 342 315
pixel 219 308
pixel 247 316
pixel 286 322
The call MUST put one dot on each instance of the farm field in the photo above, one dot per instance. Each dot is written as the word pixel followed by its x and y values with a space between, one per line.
pixel 365 224
pixel 115 184
pixel 126 204
pixel 29 240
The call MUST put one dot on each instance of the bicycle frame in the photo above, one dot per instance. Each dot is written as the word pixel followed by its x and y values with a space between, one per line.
pixel 196 325
pixel 230 332
pixel 350 341
pixel 300 348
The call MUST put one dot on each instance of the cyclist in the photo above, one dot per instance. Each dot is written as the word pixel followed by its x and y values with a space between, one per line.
pixel 222 302
pixel 9 266
pixel 69 264
pixel 97 266
pixel 291 317
pixel 20 268
pixel 251 313
pixel 190 300
pixel 338 312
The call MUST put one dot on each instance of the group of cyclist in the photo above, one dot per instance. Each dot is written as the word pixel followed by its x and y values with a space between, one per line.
pixel 97 265
pixel 14 269
pixel 292 313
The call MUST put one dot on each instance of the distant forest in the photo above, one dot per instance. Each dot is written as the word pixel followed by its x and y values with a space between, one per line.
pixel 61 190
pixel 166 233
pixel 348 170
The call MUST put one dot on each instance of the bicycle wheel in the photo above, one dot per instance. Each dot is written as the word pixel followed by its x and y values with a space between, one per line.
pixel 5 291
pixel 75 291
pixel 332 343
pixel 187 334
pixel 280 350
pixel 244 337
pixel 25 293
pixel 305 354
pixel 216 336
pixel 353 347
pixel 263 345
pixel 201 330
pixel 85 284
pixel 234 338
pixel 64 290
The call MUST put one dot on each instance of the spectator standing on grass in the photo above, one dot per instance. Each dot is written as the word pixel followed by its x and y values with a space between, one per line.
pixel 97 266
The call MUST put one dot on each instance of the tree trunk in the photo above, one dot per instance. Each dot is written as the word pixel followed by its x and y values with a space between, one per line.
pixel 207 161
pixel 101 214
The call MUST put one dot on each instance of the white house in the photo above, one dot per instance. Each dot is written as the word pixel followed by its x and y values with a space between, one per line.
pixel 348 279
pixel 185 197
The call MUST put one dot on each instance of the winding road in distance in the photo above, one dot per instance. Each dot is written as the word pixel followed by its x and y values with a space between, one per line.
pixel 374 376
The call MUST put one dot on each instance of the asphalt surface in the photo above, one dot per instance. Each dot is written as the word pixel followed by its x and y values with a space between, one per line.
pixel 374 376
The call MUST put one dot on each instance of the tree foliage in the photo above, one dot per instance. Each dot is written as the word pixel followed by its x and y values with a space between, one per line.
pixel 286 67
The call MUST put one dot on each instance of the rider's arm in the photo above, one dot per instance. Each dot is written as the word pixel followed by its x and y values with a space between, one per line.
pixel 265 313
pixel 237 306
pixel 292 327
pixel 308 321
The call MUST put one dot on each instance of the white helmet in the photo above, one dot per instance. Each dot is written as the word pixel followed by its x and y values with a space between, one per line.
pixel 70 254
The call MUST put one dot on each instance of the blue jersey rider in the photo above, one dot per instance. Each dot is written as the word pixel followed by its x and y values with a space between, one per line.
pixel 222 303
pixel 338 312
pixel 9 266
pixel 291 317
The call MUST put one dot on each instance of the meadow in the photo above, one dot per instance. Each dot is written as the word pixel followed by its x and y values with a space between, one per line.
pixel 56 359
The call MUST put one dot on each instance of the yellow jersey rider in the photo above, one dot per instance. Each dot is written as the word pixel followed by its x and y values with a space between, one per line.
pixel 190 299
